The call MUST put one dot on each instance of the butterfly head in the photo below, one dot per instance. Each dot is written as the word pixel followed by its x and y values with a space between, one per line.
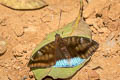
pixel 58 37
pixel 58 40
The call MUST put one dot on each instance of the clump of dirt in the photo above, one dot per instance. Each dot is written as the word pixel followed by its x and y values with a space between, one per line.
pixel 24 30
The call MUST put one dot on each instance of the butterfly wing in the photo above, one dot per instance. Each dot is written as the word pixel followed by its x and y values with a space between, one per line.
pixel 81 47
pixel 44 57
pixel 86 47
pixel 78 49
pixel 49 54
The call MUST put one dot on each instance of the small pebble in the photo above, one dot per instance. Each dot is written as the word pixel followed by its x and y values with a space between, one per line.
pixel 24 78
pixel 30 74
pixel 93 75
pixel 3 46
pixel 18 31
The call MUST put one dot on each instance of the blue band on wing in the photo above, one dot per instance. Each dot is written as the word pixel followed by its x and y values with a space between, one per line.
pixel 69 63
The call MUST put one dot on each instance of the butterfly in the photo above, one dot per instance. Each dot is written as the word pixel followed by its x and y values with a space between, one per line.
pixel 63 49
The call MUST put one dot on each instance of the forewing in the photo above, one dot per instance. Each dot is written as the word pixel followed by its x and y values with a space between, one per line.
pixel 81 46
pixel 45 57
pixel 86 47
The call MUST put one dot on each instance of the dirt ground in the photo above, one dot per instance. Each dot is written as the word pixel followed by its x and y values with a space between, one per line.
pixel 24 30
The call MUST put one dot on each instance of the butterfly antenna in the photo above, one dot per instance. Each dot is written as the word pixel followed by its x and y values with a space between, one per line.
pixel 59 21
pixel 79 18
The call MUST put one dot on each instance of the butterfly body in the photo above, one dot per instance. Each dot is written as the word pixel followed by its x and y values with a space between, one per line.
pixel 63 52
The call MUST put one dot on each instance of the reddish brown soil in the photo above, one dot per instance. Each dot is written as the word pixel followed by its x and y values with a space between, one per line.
pixel 23 30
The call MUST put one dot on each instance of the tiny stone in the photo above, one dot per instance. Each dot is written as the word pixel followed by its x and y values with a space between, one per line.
pixel 93 75
pixel 19 31
pixel 24 78
pixel 16 67
pixel 3 47
pixel 30 74
pixel 24 51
